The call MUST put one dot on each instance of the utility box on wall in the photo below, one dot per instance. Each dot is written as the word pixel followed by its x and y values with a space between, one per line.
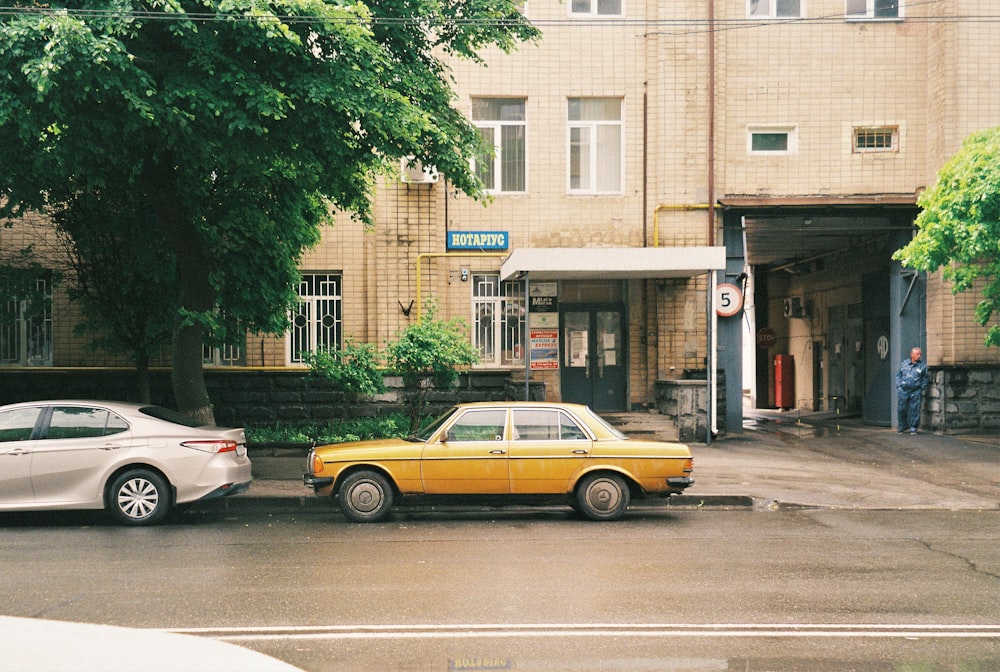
pixel 784 381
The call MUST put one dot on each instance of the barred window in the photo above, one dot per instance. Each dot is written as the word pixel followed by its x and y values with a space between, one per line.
pixel 26 328
pixel 876 139
pixel 498 320
pixel 317 320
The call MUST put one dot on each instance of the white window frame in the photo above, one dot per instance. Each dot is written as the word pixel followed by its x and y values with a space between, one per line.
pixel 27 340
pixel 790 130
pixel 595 166
pixel 869 13
pixel 317 320
pixel 593 9
pixel 498 126
pixel 876 147
pixel 770 10
pixel 498 328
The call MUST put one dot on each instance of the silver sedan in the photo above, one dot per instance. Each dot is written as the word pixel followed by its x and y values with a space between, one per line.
pixel 136 461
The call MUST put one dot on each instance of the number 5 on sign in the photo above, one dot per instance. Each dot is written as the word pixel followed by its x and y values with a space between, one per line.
pixel 728 300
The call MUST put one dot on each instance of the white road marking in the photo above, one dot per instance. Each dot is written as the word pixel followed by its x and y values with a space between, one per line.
pixel 516 630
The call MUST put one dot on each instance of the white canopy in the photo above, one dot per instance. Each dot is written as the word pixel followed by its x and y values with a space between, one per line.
pixel 566 263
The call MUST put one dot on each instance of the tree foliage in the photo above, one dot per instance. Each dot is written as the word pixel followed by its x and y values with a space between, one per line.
pixel 429 354
pixel 959 226
pixel 233 126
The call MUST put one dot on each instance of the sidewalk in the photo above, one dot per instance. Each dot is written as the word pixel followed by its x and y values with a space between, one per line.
pixel 784 460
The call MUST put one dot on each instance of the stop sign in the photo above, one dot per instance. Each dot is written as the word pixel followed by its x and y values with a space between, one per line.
pixel 766 337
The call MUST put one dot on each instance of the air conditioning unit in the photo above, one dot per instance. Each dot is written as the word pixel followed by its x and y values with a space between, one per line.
pixel 794 307
pixel 414 172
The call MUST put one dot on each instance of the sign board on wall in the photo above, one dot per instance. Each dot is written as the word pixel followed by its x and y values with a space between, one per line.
pixel 544 349
pixel 728 300
pixel 478 240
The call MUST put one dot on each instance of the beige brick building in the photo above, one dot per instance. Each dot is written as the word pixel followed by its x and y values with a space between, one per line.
pixel 777 145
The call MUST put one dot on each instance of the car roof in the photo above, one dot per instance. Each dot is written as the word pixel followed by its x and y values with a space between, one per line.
pixel 115 405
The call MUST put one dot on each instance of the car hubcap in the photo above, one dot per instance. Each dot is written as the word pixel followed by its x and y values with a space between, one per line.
pixel 366 497
pixel 138 498
pixel 604 495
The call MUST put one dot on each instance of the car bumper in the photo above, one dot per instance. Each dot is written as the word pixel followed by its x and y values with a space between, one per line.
pixel 227 490
pixel 320 485
pixel 679 483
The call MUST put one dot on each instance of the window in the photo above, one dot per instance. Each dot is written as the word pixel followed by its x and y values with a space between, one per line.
pixel 226 355
pixel 876 139
pixel 72 422
pixel 873 9
pixel 498 320
pixel 772 140
pixel 479 425
pixel 26 328
pixel 18 424
pixel 595 7
pixel 545 425
pixel 502 125
pixel 316 321
pixel 595 145
pixel 775 9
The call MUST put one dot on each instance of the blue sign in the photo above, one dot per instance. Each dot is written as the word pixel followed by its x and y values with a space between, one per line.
pixel 478 240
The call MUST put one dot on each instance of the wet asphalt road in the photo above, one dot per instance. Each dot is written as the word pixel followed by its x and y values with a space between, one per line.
pixel 684 589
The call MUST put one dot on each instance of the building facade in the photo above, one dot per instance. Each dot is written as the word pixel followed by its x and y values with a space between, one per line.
pixel 677 188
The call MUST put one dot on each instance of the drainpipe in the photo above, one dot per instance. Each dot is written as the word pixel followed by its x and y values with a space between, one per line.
pixel 711 123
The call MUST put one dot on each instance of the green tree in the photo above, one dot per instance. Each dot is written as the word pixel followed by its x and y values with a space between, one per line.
pixel 959 226
pixel 236 125
pixel 123 276
pixel 429 354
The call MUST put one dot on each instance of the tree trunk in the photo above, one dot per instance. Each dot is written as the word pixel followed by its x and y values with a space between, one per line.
pixel 195 291
pixel 142 391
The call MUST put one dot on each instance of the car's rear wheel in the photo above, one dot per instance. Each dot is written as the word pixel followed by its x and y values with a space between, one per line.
pixel 139 497
pixel 365 497
pixel 602 496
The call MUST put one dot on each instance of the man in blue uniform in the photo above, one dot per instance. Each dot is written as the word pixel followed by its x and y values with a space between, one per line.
pixel 911 381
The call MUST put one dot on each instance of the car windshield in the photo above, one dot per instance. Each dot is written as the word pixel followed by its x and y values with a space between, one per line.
pixel 427 432
pixel 166 414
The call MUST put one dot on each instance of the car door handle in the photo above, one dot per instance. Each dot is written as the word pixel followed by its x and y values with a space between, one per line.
pixel 498 452
pixel 111 446
pixel 18 451
pixel 580 451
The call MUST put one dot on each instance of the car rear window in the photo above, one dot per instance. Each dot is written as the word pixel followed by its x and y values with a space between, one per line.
pixel 166 414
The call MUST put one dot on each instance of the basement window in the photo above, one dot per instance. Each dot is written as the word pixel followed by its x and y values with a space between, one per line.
pixel 868 139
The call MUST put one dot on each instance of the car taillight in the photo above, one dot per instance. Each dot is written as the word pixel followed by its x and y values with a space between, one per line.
pixel 688 465
pixel 214 446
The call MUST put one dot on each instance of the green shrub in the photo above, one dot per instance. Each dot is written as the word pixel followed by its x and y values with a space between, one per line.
pixel 336 431
pixel 354 369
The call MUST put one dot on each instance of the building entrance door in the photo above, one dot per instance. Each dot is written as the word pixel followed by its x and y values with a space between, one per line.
pixel 593 368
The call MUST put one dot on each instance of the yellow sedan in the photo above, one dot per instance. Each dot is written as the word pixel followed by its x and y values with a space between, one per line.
pixel 513 450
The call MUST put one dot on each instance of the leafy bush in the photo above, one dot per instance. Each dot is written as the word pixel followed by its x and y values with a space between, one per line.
pixel 429 354
pixel 335 431
pixel 354 369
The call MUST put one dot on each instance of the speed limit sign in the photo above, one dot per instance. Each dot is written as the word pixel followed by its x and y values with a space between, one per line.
pixel 728 300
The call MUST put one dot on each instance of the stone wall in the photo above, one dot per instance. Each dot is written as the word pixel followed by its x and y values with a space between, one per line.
pixel 963 400
pixel 686 403
pixel 257 397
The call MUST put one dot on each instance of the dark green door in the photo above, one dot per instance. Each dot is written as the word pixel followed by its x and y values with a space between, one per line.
pixel 594 371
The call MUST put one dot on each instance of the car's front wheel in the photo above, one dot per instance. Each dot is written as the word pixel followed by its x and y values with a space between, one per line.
pixel 602 496
pixel 139 497
pixel 365 497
